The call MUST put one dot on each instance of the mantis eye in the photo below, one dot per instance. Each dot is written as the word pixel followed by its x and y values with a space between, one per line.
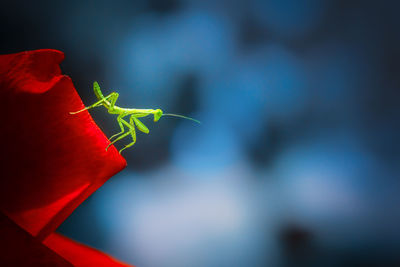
pixel 157 114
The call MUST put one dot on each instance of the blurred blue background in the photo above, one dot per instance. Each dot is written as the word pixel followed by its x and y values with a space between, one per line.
pixel 297 160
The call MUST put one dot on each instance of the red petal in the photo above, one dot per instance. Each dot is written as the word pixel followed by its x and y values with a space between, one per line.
pixel 78 254
pixel 50 160
pixel 19 248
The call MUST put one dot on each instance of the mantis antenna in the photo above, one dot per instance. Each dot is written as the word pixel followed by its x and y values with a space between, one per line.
pixel 181 116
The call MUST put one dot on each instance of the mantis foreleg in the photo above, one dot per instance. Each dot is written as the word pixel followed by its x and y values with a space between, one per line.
pixel 139 124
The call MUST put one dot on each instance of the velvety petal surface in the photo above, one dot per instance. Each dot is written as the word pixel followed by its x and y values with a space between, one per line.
pixel 50 160
pixel 78 254
pixel 19 248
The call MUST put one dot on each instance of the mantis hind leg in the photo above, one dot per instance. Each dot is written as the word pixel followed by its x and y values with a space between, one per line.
pixel 112 97
pixel 131 121
pixel 124 134
pixel 119 118
pixel 131 132
pixel 130 144
pixel 98 103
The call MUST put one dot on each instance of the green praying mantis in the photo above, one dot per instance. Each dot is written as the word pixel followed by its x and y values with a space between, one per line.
pixel 109 103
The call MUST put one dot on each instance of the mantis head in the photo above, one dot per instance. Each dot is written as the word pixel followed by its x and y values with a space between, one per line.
pixel 157 114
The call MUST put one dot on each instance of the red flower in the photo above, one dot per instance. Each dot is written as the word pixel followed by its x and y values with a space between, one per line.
pixel 50 162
